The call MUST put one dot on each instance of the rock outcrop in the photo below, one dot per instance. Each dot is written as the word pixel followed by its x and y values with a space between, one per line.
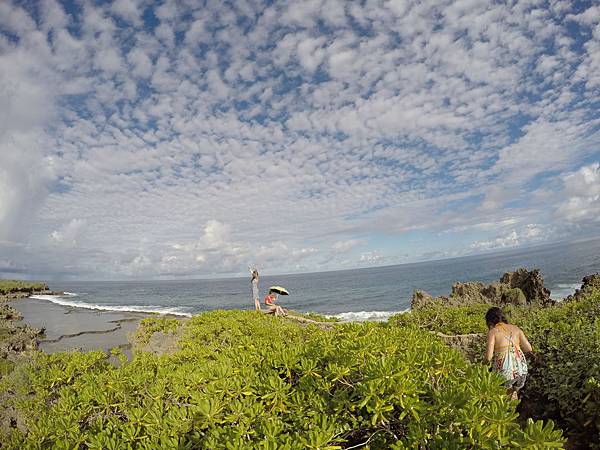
pixel 421 299
pixel 14 336
pixel 589 284
pixel 472 346
pixel 531 283
pixel 16 295
pixel 521 287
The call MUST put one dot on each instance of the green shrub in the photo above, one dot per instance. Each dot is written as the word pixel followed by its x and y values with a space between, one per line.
pixel 10 286
pixel 6 366
pixel 314 316
pixel 445 319
pixel 246 380
pixel 563 376
pixel 151 325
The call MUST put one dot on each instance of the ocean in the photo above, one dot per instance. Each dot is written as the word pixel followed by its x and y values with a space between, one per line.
pixel 360 294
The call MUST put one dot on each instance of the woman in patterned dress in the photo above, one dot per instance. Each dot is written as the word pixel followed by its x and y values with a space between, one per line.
pixel 505 346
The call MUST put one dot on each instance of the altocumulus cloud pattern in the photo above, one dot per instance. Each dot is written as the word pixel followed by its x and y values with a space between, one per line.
pixel 188 138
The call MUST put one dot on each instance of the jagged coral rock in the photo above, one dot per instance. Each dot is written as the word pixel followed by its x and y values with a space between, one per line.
pixel 421 299
pixel 521 287
pixel 467 293
pixel 531 283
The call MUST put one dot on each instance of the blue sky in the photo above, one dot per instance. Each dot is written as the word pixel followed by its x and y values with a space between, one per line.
pixel 190 139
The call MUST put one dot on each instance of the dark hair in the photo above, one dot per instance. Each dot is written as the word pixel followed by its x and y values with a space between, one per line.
pixel 254 274
pixel 494 316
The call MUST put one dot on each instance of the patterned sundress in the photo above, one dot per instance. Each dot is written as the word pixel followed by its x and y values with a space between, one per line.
pixel 510 362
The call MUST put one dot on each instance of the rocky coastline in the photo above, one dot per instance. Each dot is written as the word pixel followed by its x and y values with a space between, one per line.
pixel 519 288
pixel 17 337
pixel 455 318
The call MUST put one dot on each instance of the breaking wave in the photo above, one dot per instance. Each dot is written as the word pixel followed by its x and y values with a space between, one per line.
pixel 564 290
pixel 59 300
pixel 361 316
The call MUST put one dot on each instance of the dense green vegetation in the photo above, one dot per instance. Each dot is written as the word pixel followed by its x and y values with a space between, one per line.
pixel 564 376
pixel 445 319
pixel 246 380
pixel 10 286
pixel 151 325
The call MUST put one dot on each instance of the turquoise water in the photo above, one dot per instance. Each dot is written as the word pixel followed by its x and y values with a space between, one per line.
pixel 350 294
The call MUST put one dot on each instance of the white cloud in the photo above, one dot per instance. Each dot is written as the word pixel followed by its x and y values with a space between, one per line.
pixel 53 15
pixel 372 257
pixel 127 10
pixel 531 233
pixel 69 234
pixel 311 53
pixel 511 240
pixel 583 191
pixel 216 234
pixel 109 60
pixel 286 134
pixel 585 182
pixel 27 96
pixel 141 62
pixel 345 246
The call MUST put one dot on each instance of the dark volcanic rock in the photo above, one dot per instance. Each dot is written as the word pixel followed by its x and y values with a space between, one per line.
pixel 522 287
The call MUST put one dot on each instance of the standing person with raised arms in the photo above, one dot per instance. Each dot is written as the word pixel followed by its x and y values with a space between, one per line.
pixel 254 282
pixel 505 346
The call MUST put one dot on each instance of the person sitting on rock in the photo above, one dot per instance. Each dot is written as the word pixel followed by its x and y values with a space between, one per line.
pixel 505 345
pixel 273 308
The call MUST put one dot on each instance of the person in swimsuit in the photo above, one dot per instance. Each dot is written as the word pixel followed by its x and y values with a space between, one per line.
pixel 273 308
pixel 254 283
pixel 505 346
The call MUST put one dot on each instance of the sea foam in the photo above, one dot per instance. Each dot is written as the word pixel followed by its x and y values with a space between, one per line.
pixel 59 300
pixel 564 290
pixel 361 316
